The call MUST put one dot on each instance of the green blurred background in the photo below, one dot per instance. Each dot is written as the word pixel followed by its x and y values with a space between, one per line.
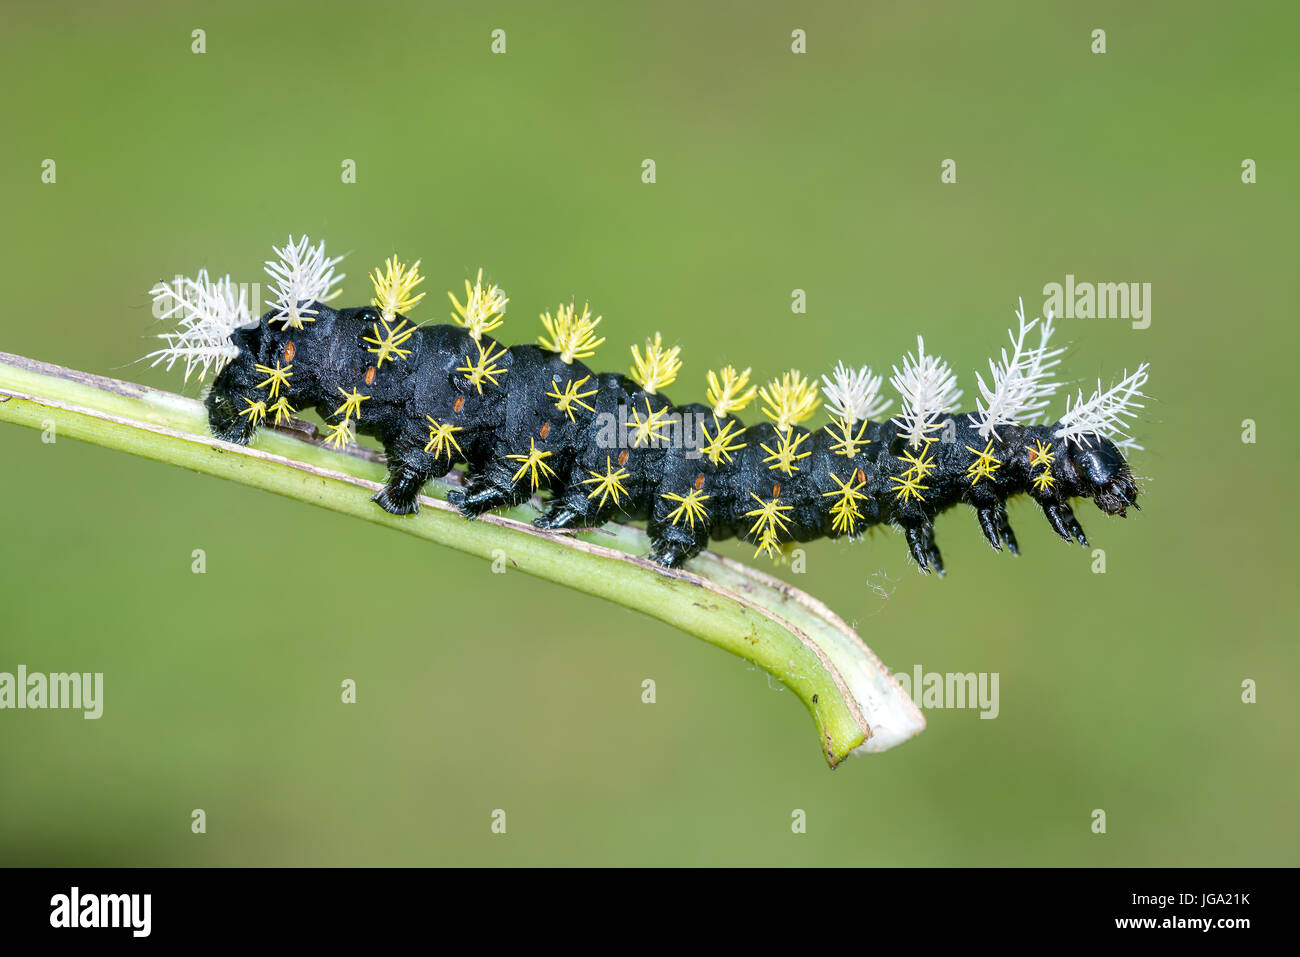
pixel 1119 691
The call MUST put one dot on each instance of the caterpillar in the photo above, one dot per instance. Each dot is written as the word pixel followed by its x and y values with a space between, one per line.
pixel 535 418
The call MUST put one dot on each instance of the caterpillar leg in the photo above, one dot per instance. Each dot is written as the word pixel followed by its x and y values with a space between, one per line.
pixel 1004 529
pixel 477 497
pixel 920 541
pixel 673 554
pixel 402 492
pixel 991 525
pixel 561 515
pixel 996 528
pixel 1061 518
pixel 485 492
pixel 225 420
pixel 577 509
pixel 674 545
pixel 592 493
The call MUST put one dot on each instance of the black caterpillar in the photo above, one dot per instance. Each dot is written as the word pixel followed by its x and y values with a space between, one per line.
pixel 530 418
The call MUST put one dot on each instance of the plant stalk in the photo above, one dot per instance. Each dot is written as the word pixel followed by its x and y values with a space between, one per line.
pixel 856 705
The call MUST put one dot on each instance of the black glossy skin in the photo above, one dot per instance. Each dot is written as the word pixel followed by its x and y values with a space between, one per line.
pixel 329 357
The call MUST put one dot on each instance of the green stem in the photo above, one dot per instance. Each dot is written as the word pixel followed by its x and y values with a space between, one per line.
pixel 855 703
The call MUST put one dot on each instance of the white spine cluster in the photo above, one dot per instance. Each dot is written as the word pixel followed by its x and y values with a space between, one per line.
pixel 928 388
pixel 301 276
pixel 854 395
pixel 1022 384
pixel 1105 413
pixel 206 313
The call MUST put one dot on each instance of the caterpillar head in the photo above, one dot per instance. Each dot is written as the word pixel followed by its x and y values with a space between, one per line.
pixel 1105 475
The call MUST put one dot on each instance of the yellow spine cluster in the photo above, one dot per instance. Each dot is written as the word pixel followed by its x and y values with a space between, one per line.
pixel 395 287
pixel 844 512
pixel 729 391
pixel 485 368
pixel 847 442
pixel 909 485
pixel 608 485
pixel 388 343
pixel 691 507
pixel 442 438
pixel 534 465
pixel 658 368
pixel 277 378
pixel 573 336
pixel 789 400
pixel 282 409
pixel 648 429
pixel 787 453
pixel 394 295
pixel 341 433
pixel 256 411
pixel 720 446
pixel 1042 456
pixel 483 310
pixel 769 522
pixel 984 465
pixel 571 396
